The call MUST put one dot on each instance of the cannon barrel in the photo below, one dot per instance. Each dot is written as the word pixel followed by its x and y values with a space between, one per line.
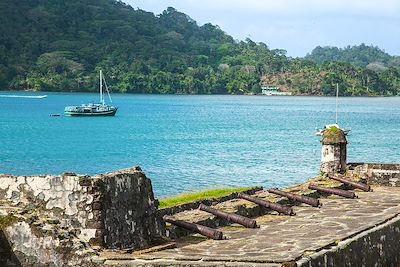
pixel 304 199
pixel 361 186
pixel 335 191
pixel 231 217
pixel 201 229
pixel 274 206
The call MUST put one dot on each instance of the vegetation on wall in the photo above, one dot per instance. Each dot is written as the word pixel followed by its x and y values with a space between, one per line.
pixel 211 194
pixel 61 45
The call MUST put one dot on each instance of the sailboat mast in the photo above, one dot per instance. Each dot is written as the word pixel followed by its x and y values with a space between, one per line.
pixel 337 96
pixel 101 87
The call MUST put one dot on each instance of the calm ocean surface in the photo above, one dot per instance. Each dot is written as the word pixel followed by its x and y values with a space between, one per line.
pixel 187 143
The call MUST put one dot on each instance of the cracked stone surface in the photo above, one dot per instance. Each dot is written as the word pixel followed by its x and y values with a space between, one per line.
pixel 281 239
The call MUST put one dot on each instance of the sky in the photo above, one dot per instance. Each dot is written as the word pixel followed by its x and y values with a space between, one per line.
pixel 297 26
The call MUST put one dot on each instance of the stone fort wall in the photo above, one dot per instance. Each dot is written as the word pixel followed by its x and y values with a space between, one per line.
pixel 66 220
pixel 59 219
pixel 378 173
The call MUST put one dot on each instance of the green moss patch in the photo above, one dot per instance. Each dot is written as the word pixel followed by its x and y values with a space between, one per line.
pixel 8 220
pixel 333 135
pixel 333 130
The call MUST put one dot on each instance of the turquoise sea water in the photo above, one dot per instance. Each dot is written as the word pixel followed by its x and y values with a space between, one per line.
pixel 187 143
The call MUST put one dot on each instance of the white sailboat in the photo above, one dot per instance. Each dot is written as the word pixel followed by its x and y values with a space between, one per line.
pixel 319 131
pixel 97 109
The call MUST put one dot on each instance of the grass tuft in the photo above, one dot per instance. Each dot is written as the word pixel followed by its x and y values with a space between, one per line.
pixel 199 196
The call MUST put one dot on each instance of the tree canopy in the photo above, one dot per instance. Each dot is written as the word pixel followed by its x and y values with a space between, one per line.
pixel 60 46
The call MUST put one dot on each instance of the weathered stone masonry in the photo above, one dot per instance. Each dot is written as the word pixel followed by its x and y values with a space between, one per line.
pixel 378 173
pixel 375 247
pixel 66 220
pixel 363 231
pixel 129 211
pixel 58 220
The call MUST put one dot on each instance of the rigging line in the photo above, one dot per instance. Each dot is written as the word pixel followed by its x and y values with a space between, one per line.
pixel 108 92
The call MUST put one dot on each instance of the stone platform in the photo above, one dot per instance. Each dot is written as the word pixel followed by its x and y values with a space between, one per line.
pixel 341 232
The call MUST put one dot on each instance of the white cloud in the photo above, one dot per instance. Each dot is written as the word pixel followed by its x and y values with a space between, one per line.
pixel 295 25
pixel 282 7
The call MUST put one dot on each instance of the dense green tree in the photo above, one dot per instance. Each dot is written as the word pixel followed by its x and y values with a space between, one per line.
pixel 359 55
pixel 61 45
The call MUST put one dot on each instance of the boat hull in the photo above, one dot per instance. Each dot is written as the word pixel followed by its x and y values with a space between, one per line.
pixel 90 114
pixel 93 109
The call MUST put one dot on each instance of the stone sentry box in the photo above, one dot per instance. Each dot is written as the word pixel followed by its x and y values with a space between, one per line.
pixel 334 151
pixel 114 210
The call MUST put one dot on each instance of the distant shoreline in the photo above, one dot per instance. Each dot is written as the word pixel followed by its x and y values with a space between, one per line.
pixel 44 93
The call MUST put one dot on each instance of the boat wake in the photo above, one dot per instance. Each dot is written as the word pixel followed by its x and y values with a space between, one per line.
pixel 24 96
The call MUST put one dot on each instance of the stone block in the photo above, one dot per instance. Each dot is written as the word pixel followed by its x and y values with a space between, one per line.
pixel 96 205
pixel 129 210
pixel 115 210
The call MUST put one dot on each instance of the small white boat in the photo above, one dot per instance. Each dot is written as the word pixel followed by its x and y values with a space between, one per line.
pixel 24 96
pixel 319 131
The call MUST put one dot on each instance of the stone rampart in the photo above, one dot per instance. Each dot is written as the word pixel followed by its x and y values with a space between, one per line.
pixel 361 231
pixel 375 247
pixel 194 205
pixel 58 220
pixel 66 220
pixel 378 173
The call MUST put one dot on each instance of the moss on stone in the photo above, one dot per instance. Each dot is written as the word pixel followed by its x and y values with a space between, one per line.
pixel 333 136
pixel 8 220
pixel 85 180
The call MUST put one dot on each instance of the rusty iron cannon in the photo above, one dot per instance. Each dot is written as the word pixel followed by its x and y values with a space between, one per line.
pixel 304 199
pixel 201 229
pixel 231 217
pixel 353 184
pixel 274 206
pixel 335 191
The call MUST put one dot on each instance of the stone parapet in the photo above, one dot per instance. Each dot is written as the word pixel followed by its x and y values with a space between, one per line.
pixel 375 247
pixel 342 232
pixel 69 216
pixel 129 210
pixel 378 173
pixel 196 204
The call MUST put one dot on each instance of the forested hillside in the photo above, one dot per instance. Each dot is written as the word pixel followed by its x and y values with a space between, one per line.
pixel 360 55
pixel 359 70
pixel 61 45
